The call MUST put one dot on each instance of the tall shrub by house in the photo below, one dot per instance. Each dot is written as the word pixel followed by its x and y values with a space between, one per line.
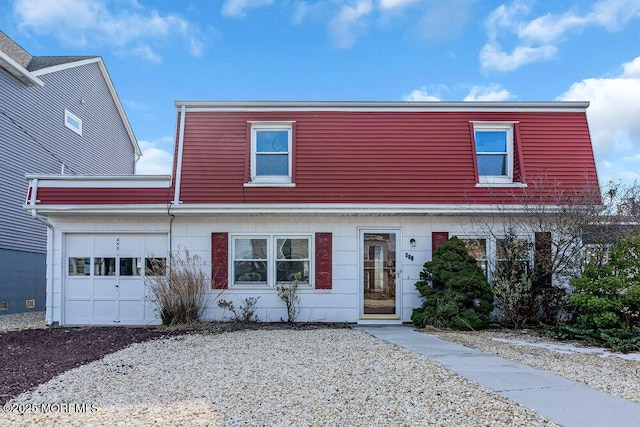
pixel 607 297
pixel 455 291
pixel 179 289
pixel 512 281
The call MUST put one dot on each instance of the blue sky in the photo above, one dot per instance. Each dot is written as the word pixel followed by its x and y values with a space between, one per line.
pixel 355 50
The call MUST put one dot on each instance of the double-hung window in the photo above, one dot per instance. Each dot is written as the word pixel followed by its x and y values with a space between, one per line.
pixel 271 153
pixel 494 152
pixel 267 260
pixel 477 248
pixel 513 254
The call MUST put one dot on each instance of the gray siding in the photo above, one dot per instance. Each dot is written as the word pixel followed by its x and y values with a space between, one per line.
pixel 103 149
pixel 22 279
pixel 34 139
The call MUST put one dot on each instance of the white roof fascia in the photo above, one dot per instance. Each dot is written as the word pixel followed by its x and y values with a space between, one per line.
pixel 112 90
pixel 405 106
pixel 51 210
pixel 29 76
pixel 118 181
pixel 286 209
pixel 65 66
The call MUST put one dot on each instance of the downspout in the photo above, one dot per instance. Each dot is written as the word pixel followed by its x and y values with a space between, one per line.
pixel 33 187
pixel 135 163
pixel 176 195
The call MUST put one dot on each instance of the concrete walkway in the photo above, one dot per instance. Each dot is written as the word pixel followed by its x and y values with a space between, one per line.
pixel 564 401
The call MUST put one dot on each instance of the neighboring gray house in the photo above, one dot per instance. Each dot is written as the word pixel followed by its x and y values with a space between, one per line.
pixel 58 115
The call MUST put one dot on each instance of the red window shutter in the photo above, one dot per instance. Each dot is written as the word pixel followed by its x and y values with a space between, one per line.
pixel 219 260
pixel 438 238
pixel 323 261
pixel 542 261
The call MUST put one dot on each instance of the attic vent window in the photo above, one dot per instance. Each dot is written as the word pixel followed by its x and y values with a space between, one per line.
pixel 271 153
pixel 73 122
pixel 494 152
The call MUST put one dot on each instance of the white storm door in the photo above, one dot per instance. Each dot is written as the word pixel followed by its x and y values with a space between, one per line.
pixel 378 273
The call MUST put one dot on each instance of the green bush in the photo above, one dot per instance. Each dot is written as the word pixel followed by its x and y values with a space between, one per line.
pixel 455 292
pixel 607 298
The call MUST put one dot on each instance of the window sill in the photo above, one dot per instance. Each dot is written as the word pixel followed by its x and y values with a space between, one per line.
pixel 501 185
pixel 265 288
pixel 269 184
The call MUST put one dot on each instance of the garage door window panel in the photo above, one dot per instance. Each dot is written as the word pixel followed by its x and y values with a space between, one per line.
pixel 103 266
pixel 130 266
pixel 79 266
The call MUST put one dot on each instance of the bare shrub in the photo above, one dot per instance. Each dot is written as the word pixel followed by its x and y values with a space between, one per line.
pixel 247 311
pixel 512 281
pixel 288 293
pixel 181 292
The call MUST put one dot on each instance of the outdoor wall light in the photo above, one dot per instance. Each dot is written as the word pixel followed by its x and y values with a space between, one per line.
pixel 412 242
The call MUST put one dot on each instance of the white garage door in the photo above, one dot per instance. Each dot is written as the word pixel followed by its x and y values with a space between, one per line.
pixel 104 278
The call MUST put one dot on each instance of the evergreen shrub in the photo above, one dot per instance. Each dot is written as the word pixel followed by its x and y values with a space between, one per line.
pixel 455 292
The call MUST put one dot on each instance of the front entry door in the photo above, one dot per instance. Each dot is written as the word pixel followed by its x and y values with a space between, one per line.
pixel 379 263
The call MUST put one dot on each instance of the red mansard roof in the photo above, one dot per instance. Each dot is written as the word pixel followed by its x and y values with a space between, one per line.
pixel 368 153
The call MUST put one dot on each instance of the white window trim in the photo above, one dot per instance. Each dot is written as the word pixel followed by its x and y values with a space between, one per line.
pixel 275 180
pixel 272 238
pixel 496 126
pixel 487 244
pixel 68 114
pixel 526 237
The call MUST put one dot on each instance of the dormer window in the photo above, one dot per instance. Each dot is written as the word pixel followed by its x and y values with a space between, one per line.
pixel 271 153
pixel 73 122
pixel 494 152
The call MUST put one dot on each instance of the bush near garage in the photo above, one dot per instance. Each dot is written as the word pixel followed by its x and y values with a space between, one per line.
pixel 179 293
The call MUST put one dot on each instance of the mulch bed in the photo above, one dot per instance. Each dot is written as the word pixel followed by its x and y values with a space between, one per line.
pixel 34 356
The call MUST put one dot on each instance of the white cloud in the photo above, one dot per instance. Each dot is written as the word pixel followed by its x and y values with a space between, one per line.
pixel 196 46
pixel 349 19
pixel 614 120
pixel 91 22
pixel 145 52
pixel 489 93
pixel 444 19
pixel 238 8
pixel 632 69
pixel 536 39
pixel 549 28
pixel 420 95
pixel 492 57
pixel 613 14
pixel 347 23
pixel 154 160
pixel 394 4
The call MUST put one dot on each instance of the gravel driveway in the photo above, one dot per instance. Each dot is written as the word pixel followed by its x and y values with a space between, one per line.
pixel 269 377
pixel 295 377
